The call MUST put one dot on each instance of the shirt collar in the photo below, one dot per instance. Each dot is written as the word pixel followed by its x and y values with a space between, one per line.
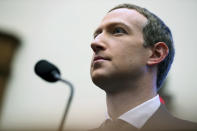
pixel 141 113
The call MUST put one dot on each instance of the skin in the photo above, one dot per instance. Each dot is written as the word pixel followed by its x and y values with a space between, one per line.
pixel 121 65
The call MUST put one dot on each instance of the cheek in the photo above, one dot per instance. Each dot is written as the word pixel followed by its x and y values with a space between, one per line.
pixel 129 57
pixel 122 60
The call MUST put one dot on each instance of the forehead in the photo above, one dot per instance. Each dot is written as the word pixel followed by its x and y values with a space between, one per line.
pixel 126 16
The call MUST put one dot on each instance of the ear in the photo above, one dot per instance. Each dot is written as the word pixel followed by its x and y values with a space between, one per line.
pixel 158 53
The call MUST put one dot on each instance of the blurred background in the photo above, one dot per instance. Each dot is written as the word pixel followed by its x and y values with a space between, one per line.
pixel 61 32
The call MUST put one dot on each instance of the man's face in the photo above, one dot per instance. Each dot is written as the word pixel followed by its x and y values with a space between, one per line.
pixel 119 54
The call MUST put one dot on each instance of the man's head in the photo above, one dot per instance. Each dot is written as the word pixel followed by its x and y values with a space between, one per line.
pixel 124 44
pixel 155 31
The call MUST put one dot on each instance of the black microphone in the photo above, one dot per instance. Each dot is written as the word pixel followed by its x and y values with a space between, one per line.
pixel 47 71
pixel 51 73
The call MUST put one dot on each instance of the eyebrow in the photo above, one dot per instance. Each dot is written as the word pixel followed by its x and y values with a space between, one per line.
pixel 111 24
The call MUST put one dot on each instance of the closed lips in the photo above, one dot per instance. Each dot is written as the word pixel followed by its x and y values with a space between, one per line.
pixel 100 58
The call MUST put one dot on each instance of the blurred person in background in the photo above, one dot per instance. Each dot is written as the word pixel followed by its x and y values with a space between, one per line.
pixel 8 46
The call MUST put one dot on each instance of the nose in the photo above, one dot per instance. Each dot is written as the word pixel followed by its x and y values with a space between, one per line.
pixel 97 45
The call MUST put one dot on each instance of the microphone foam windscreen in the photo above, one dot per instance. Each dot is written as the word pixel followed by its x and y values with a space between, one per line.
pixel 46 70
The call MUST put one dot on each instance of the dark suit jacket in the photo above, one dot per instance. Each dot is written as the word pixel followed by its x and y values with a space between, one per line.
pixel 162 120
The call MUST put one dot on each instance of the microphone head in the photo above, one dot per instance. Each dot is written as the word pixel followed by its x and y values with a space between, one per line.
pixel 47 71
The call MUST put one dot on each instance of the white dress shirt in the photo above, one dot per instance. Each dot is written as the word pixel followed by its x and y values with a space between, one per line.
pixel 141 113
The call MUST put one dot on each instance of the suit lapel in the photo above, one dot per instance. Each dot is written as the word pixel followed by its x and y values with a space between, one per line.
pixel 161 120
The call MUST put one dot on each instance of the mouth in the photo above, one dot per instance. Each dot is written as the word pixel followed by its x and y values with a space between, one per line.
pixel 100 58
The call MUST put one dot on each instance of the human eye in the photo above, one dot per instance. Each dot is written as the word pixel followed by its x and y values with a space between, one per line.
pixel 96 33
pixel 118 31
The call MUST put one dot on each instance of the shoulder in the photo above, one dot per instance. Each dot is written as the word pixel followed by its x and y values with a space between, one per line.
pixel 163 120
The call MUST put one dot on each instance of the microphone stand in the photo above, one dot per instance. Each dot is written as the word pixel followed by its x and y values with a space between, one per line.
pixel 68 102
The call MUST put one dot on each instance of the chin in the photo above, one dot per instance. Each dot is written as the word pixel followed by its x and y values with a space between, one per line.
pixel 98 80
pixel 105 84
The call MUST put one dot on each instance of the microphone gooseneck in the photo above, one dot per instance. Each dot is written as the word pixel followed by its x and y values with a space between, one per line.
pixel 51 73
pixel 61 127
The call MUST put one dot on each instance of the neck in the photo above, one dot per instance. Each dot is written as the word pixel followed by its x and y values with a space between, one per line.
pixel 134 95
